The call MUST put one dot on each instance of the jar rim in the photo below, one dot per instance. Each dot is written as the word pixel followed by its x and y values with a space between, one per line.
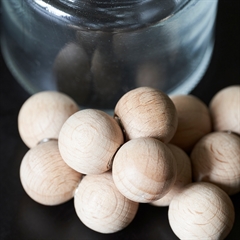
pixel 111 14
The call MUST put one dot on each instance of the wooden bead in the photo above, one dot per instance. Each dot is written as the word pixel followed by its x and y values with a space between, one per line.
pixel 184 175
pixel 147 112
pixel 225 109
pixel 194 121
pixel 88 141
pixel 72 74
pixel 101 207
pixel 216 159
pixel 107 79
pixel 43 115
pixel 201 211
pixel 46 178
pixel 144 169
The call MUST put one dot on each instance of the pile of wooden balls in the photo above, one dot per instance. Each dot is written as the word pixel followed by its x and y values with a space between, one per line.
pixel 164 150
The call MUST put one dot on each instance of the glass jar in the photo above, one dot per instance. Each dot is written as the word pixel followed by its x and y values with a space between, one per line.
pixel 95 51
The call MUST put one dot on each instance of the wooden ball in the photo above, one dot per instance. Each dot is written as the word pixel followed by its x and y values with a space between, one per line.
pixel 107 79
pixel 225 109
pixel 101 207
pixel 184 175
pixel 72 74
pixel 216 159
pixel 43 115
pixel 201 211
pixel 88 141
pixel 46 178
pixel 144 169
pixel 147 112
pixel 194 121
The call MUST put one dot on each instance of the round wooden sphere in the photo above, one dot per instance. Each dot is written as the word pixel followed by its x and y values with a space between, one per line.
pixel 147 112
pixel 194 121
pixel 42 116
pixel 224 108
pixel 45 177
pixel 216 159
pixel 184 175
pixel 144 169
pixel 88 141
pixel 72 74
pixel 104 69
pixel 101 207
pixel 201 211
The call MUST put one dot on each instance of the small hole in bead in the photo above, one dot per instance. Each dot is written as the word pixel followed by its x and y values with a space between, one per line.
pixel 121 126
pixel 47 140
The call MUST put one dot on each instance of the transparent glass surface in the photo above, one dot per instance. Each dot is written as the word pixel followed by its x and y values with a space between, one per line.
pixel 95 51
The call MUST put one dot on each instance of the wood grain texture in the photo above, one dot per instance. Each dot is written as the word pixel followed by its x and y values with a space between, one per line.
pixel 147 112
pixel 201 211
pixel 184 175
pixel 194 121
pixel 46 178
pixel 101 207
pixel 88 141
pixel 42 116
pixel 225 109
pixel 216 159
pixel 144 169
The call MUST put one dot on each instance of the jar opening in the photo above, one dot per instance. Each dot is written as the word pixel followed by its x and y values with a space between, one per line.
pixel 115 14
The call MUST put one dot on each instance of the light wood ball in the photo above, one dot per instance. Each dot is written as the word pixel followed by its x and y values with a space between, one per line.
pixel 184 176
pixel 72 74
pixel 101 207
pixel 88 141
pixel 42 116
pixel 225 109
pixel 194 121
pixel 144 169
pixel 201 211
pixel 45 177
pixel 216 159
pixel 147 112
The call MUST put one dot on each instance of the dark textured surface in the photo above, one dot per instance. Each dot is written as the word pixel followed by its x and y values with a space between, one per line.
pixel 22 218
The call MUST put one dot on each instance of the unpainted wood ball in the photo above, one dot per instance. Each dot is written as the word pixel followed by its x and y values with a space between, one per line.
pixel 144 169
pixel 88 141
pixel 194 121
pixel 107 79
pixel 184 176
pixel 201 211
pixel 45 177
pixel 151 74
pixel 101 207
pixel 42 116
pixel 225 109
pixel 71 70
pixel 147 112
pixel 216 159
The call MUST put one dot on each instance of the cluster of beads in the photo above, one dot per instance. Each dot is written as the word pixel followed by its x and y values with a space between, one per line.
pixel 164 150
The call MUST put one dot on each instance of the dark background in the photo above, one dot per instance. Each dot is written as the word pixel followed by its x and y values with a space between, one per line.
pixel 22 218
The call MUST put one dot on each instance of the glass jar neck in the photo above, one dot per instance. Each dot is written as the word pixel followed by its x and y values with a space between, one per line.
pixel 117 14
